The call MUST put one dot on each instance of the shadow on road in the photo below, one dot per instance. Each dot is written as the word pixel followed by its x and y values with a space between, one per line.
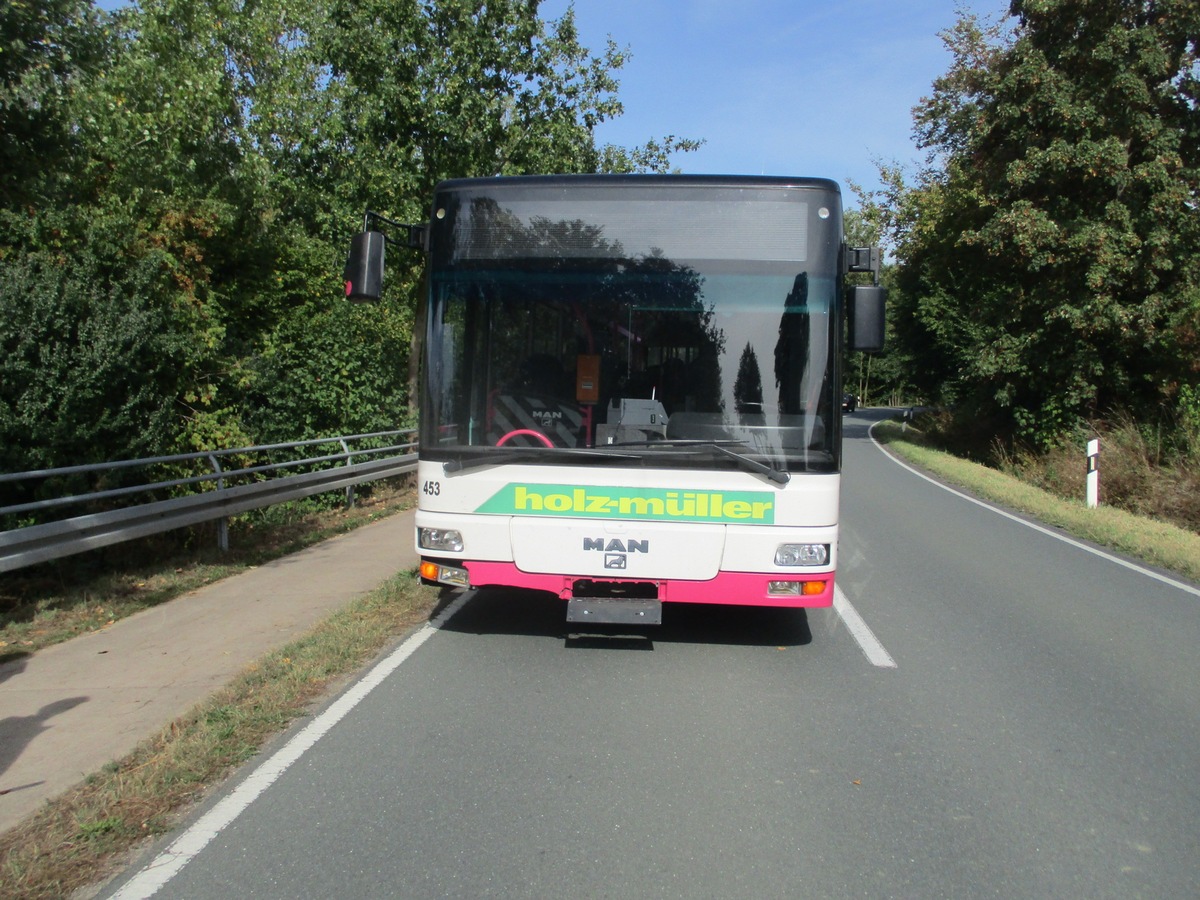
pixel 538 614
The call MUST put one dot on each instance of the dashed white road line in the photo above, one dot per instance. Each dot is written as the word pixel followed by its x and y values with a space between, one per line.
pixel 861 632
pixel 183 850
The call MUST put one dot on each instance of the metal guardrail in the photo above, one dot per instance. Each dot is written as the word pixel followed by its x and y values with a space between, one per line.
pixel 230 491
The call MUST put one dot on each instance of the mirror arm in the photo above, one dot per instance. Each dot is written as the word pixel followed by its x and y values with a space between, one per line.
pixel 865 259
pixel 414 235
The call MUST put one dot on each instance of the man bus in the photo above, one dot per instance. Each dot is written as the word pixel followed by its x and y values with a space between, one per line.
pixel 631 387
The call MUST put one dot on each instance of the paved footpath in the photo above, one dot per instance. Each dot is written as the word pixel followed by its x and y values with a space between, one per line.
pixel 68 710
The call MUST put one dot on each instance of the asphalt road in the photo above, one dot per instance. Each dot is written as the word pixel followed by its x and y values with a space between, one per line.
pixel 1038 736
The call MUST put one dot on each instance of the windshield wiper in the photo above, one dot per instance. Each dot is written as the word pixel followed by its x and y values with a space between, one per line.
pixel 746 462
pixel 533 454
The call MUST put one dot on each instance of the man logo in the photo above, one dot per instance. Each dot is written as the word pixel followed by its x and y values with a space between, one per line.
pixel 616 550
pixel 616 545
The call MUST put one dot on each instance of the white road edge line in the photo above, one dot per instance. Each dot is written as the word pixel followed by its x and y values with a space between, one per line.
pixel 184 849
pixel 862 633
pixel 1095 551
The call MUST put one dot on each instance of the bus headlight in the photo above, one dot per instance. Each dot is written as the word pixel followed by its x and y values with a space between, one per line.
pixel 802 555
pixel 448 540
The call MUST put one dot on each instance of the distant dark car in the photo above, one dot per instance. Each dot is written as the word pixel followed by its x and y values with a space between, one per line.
pixel 849 403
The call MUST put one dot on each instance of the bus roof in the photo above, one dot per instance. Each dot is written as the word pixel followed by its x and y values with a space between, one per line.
pixel 517 182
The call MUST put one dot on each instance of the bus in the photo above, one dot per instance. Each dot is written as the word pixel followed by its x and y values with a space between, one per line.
pixel 631 387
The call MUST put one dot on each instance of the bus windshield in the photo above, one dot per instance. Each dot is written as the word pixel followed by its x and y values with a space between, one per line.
pixel 641 321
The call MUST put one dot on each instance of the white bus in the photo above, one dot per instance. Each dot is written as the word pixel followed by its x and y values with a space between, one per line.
pixel 632 387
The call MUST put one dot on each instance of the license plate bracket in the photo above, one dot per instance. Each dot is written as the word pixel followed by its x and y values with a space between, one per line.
pixel 614 611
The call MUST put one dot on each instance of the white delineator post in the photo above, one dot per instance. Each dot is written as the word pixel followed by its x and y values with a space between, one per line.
pixel 1093 474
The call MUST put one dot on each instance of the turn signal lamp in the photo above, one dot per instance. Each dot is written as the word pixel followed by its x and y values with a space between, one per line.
pixel 796 588
pixel 451 575
pixel 802 555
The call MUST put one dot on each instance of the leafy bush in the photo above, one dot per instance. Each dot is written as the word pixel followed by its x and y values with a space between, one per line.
pixel 331 371
pixel 89 370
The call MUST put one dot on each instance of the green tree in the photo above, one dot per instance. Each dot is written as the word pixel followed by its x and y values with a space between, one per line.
pixel 204 163
pixel 169 161
pixel 1050 251
pixel 47 47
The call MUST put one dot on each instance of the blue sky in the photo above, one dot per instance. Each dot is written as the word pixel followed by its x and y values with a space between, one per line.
pixel 776 87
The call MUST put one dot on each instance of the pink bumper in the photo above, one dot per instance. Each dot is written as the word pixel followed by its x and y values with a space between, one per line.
pixel 736 588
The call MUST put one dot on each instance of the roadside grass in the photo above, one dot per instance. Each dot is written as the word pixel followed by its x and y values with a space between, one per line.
pixel 1156 542
pixel 90 833
pixel 57 601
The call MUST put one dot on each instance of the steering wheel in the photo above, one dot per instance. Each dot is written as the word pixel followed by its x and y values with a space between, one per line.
pixel 527 432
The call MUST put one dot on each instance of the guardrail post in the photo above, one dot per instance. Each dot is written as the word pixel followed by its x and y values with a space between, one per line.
pixel 223 522
pixel 349 461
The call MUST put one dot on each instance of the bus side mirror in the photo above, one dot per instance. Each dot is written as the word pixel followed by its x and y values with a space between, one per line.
pixel 868 303
pixel 364 266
